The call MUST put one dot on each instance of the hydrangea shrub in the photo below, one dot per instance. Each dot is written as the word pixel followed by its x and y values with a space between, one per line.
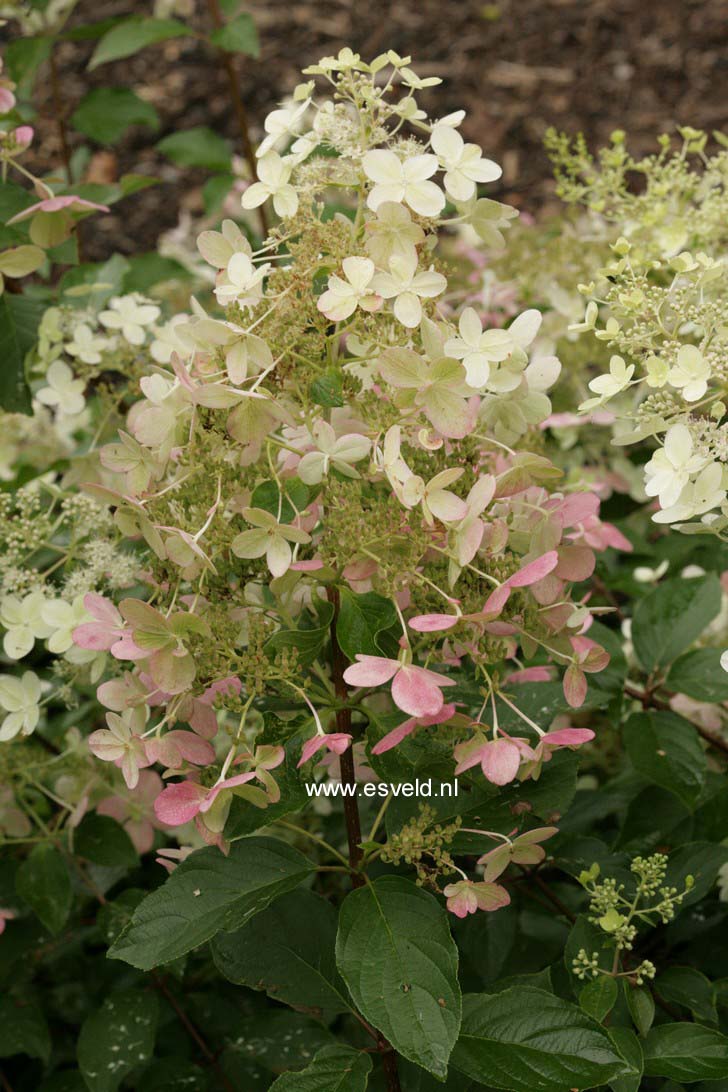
pixel 353 702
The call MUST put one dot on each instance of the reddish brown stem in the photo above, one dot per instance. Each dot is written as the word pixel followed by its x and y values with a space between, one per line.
pixel 236 95
pixel 192 1031
pixel 58 110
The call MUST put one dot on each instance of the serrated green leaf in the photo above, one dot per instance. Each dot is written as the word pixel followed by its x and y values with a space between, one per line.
pixel 334 1069
pixel 597 998
pixel 699 675
pixel 44 883
pixel 326 389
pixel 117 1038
pixel 528 1040
pixel 395 953
pixel 106 113
pixel 288 951
pixel 688 987
pixel 666 749
pixel 361 619
pixel 128 37
pixel 641 1007
pixel 208 893
pixel 686 1052
pixel 669 618
pixel 628 1046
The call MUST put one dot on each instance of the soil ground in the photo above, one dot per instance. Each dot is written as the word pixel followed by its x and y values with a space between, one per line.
pixel 516 66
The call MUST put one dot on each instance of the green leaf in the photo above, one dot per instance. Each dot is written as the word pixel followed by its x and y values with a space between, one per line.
pixel 688 987
pixel 686 1052
pixel 215 190
pixel 666 749
pixel 133 34
pixel 327 389
pixel 23 58
pixel 288 951
pixel 396 955
pixel 702 861
pixel 23 1030
pixel 667 620
pixel 206 894
pixel 14 391
pixel 117 1038
pixel 103 841
pixel 641 1007
pixel 43 881
pixel 238 36
pixel 198 147
pixel 598 996
pixel 361 618
pixel 628 1046
pixel 699 675
pixel 106 113
pixel 147 270
pixel 527 1040
pixel 334 1069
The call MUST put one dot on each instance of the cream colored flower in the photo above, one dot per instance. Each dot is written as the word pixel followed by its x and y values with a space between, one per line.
pixel 690 373
pixel 273 181
pixel 64 391
pixel 407 287
pixel 405 180
pixel 463 163
pixel 342 297
pixel 20 698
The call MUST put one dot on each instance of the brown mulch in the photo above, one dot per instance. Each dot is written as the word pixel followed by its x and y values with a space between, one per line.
pixel 517 66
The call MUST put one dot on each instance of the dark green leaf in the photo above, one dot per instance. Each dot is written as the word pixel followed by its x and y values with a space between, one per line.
pixel 702 861
pixel 288 951
pixel 598 996
pixel 43 881
pixel 238 36
pixel 14 391
pixel 102 840
pixel 198 147
pixel 641 1007
pixel 688 987
pixel 106 113
pixel 23 1030
pixel 361 618
pixel 206 894
pixel 117 1038
pixel 334 1069
pixel 666 749
pixel 686 1052
pixel 134 34
pixel 628 1046
pixel 527 1040
pixel 396 955
pixel 699 675
pixel 667 620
